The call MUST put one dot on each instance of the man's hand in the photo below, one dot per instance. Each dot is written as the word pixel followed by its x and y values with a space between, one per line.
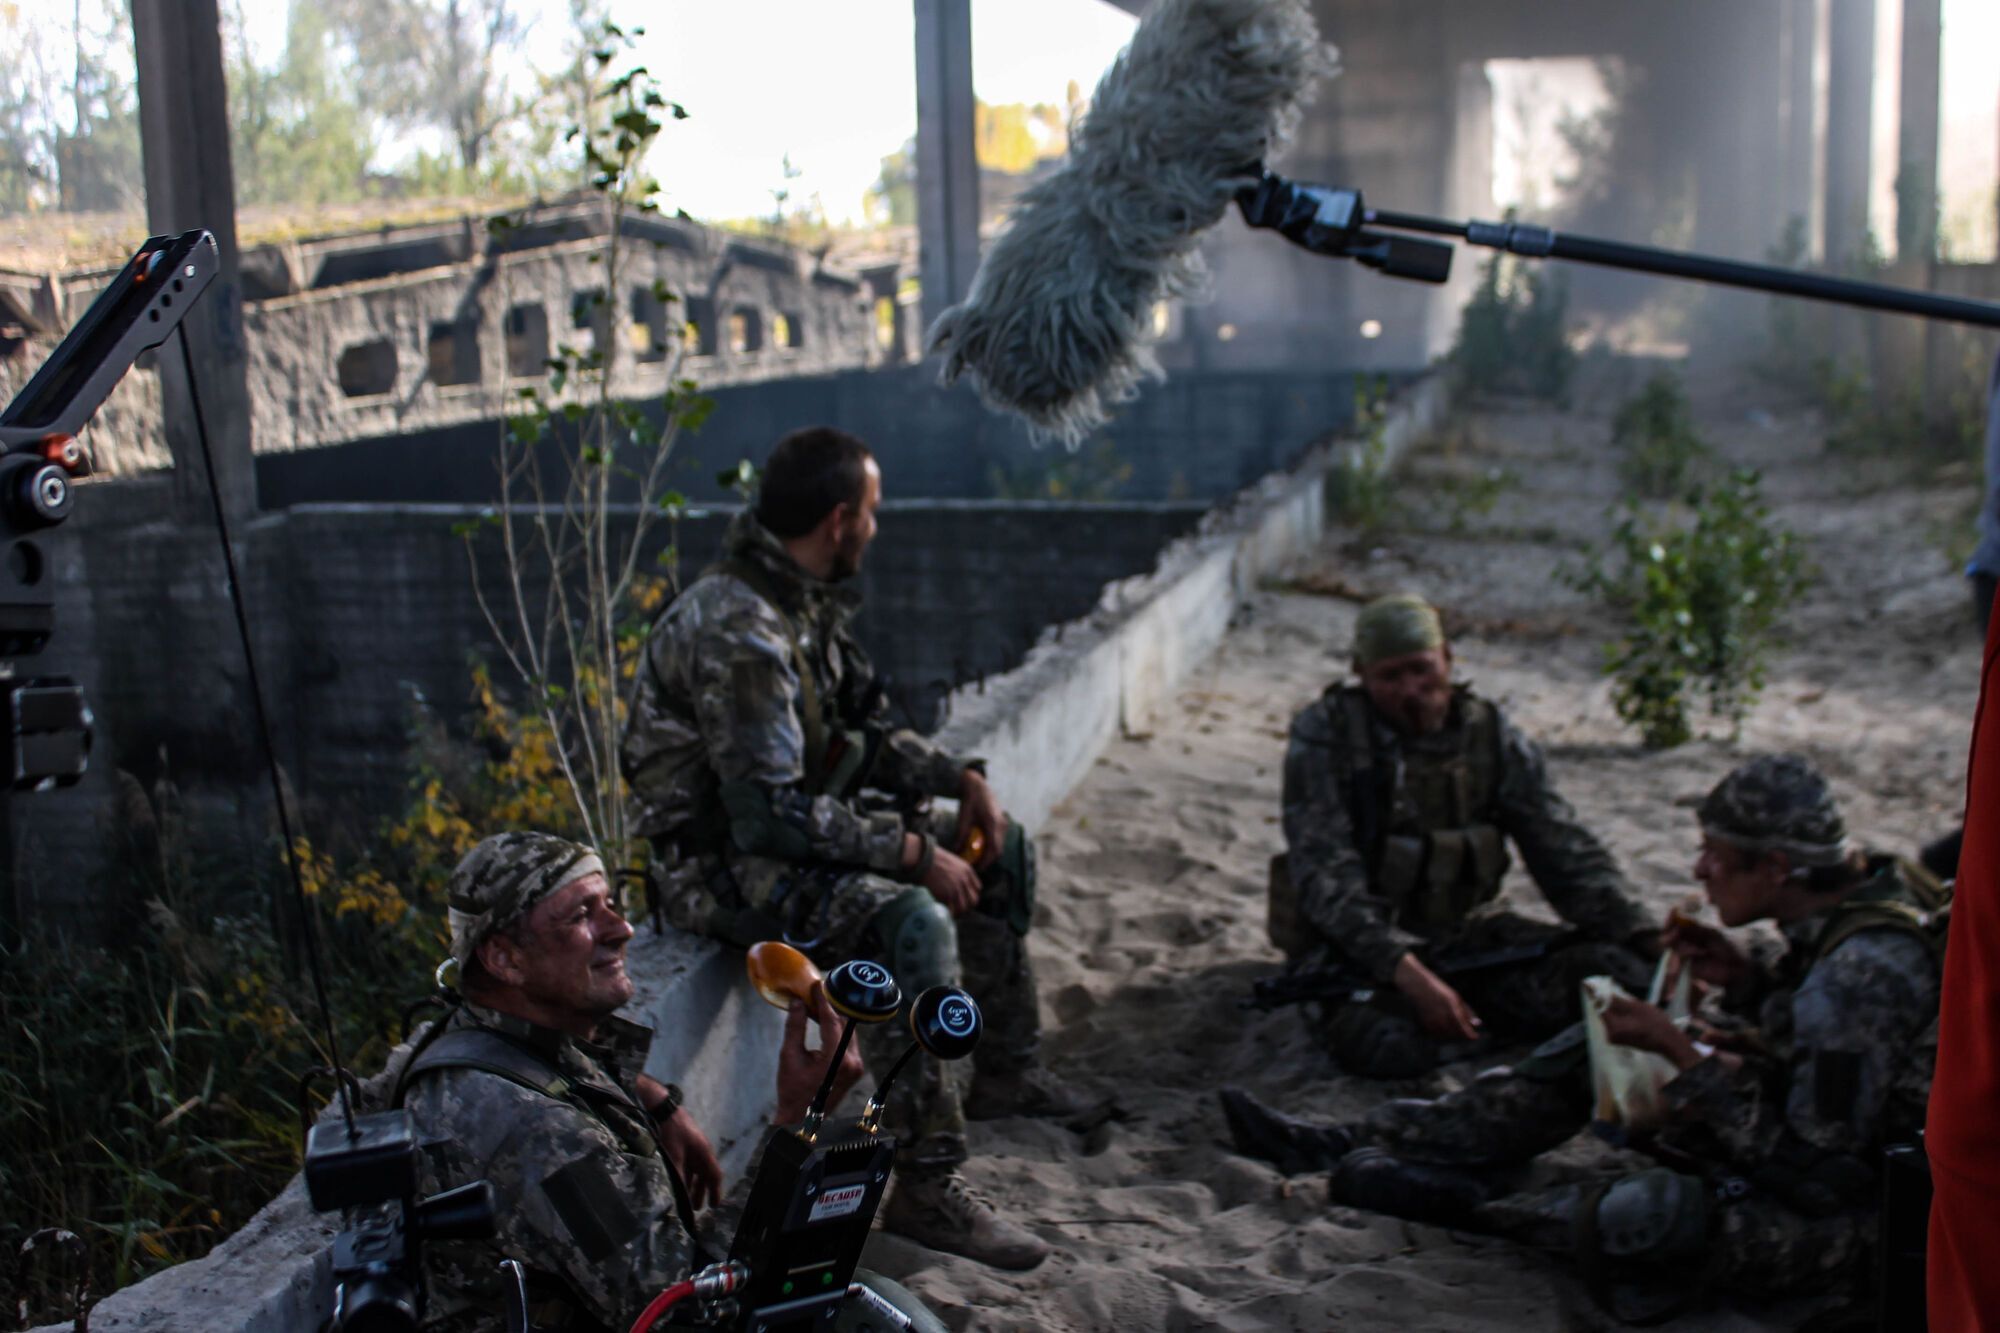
pixel 1442 1011
pixel 800 1070
pixel 1646 1027
pixel 686 1147
pixel 1713 955
pixel 979 808
pixel 953 882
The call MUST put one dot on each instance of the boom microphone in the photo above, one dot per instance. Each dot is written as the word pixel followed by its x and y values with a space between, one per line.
pixel 1059 323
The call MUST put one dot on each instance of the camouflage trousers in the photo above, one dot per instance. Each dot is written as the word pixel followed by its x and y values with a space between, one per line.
pixel 1381 1037
pixel 1750 1240
pixel 829 912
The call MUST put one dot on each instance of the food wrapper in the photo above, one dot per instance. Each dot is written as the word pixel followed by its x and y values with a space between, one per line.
pixel 1628 1083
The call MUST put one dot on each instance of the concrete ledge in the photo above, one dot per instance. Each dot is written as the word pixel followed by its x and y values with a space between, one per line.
pixel 1040 727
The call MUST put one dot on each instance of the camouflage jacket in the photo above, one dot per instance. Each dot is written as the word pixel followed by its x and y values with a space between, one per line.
pixel 1849 1036
pixel 1331 871
pixel 718 699
pixel 583 1193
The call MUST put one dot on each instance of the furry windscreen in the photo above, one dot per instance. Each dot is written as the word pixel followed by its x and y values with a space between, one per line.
pixel 1058 326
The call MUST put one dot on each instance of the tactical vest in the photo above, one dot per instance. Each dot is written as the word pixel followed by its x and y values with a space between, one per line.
pixel 1423 821
pixel 1428 850
pixel 1910 900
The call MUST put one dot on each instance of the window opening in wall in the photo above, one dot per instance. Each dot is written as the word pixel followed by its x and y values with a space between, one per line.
pixel 788 330
pixel 590 310
pixel 367 368
pixel 885 322
pixel 454 352
pixel 527 340
pixel 746 330
pixel 648 329
pixel 699 328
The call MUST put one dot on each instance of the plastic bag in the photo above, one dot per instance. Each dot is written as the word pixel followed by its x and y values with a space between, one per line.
pixel 1628 1081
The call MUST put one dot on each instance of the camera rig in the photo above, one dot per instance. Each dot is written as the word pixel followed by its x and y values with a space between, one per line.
pixel 47 722
pixel 817 1186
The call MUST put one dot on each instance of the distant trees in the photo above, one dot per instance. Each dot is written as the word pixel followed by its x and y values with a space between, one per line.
pixel 69 112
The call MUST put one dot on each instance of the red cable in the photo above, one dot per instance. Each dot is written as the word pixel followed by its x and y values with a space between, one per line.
pixel 663 1302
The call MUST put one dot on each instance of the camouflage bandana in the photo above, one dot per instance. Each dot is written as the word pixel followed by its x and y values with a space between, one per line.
pixel 503 877
pixel 1777 803
pixel 1395 626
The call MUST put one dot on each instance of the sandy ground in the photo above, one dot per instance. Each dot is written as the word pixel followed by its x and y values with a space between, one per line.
pixel 1153 881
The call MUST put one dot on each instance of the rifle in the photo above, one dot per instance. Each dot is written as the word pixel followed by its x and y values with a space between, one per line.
pixel 1342 986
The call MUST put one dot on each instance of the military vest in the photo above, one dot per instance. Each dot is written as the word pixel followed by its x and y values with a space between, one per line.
pixel 1424 817
pixel 1901 895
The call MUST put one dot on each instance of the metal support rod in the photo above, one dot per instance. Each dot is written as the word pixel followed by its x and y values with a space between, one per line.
pixel 1542 243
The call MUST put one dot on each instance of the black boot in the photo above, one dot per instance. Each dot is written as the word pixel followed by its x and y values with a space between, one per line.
pixel 1380 1182
pixel 1292 1145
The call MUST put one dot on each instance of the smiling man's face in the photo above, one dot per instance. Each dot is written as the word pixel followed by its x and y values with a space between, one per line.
pixel 572 951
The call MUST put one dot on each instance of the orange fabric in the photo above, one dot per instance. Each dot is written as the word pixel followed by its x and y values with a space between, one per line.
pixel 1962 1134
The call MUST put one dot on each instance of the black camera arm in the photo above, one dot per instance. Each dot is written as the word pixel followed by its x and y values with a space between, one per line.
pixel 47 722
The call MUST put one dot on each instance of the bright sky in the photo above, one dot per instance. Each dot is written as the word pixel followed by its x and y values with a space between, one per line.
pixel 832 85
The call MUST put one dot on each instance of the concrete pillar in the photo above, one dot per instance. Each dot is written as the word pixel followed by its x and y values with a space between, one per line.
pixel 184 133
pixel 947 161
pixel 1917 138
pixel 1802 34
pixel 1850 98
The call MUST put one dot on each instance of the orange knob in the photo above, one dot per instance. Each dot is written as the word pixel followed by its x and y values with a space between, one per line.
pixel 975 845
pixel 781 974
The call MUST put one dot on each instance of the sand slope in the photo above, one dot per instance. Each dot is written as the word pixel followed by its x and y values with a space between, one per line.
pixel 1152 919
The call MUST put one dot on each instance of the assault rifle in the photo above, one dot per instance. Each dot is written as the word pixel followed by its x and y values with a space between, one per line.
pixel 1344 987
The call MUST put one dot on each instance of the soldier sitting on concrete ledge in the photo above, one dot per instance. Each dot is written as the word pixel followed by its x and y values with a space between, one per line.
pixel 533 1084
pixel 779 801
pixel 1401 794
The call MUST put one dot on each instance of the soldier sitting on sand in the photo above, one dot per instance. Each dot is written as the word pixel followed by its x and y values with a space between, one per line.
pixel 1402 793
pixel 1773 1145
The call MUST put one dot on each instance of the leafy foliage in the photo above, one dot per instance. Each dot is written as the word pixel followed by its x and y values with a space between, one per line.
pixel 1358 487
pixel 571 611
pixel 1513 336
pixel 1701 588
pixel 146 1088
pixel 1659 450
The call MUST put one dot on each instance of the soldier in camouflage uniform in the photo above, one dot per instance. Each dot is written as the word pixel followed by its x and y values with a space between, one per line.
pixel 780 802
pixel 1401 795
pixel 1786 1097
pixel 533 1084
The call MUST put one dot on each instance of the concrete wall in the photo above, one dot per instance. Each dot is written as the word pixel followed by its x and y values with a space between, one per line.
pixel 1199 436
pixel 1041 725
pixel 360 610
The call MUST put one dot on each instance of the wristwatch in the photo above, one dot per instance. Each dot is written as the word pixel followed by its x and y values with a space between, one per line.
pixel 663 1110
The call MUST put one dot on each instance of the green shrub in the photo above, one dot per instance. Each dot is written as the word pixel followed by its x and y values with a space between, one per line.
pixel 1701 588
pixel 1513 335
pixel 1358 489
pixel 1093 472
pixel 1659 450
pixel 147 1088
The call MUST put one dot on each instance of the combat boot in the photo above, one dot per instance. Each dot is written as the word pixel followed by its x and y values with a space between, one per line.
pixel 1380 1182
pixel 1292 1145
pixel 938 1209
pixel 1031 1091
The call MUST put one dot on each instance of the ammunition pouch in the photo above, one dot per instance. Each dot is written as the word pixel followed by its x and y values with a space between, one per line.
pixel 850 761
pixel 919 943
pixel 1007 885
pixel 1291 934
pixel 755 826
pixel 1436 880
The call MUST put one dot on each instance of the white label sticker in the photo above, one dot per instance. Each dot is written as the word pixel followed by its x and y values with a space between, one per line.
pixel 837 1203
